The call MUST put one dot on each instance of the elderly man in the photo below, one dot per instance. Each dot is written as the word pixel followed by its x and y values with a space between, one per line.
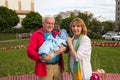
pixel 53 66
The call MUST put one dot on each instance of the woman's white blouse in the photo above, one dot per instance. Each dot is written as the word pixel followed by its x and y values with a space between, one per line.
pixel 83 55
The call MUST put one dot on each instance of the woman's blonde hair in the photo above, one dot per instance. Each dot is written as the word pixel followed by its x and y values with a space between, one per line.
pixel 82 24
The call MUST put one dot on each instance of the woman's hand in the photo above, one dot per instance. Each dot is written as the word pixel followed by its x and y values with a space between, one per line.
pixel 71 47
pixel 70 42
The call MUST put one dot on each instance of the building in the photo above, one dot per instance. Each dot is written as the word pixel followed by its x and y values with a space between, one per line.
pixel 117 17
pixel 75 12
pixel 68 13
pixel 22 7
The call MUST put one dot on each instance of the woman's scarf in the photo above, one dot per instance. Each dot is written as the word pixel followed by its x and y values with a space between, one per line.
pixel 76 67
pixel 77 75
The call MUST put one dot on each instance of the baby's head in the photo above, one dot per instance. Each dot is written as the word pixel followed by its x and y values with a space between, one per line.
pixel 57 27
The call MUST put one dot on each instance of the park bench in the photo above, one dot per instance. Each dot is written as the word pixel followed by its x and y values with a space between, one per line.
pixel 23 35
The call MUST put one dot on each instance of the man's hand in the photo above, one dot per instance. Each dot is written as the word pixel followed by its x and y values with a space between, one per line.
pixel 48 57
pixel 60 50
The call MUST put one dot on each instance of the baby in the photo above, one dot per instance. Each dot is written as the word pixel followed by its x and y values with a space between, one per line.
pixel 52 44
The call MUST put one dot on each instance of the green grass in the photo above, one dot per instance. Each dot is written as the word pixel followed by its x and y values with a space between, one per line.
pixel 65 57
pixel 16 61
pixel 7 36
pixel 101 40
pixel 107 58
pixel 14 43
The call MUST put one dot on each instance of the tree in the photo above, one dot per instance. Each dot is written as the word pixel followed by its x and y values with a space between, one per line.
pixel 8 18
pixel 95 25
pixel 32 21
pixel 86 18
pixel 65 23
pixel 58 19
pixel 109 25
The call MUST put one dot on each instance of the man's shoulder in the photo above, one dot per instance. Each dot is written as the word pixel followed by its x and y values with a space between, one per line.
pixel 55 32
pixel 38 31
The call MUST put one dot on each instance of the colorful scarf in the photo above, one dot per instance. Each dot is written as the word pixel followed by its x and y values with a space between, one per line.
pixel 77 75
pixel 77 70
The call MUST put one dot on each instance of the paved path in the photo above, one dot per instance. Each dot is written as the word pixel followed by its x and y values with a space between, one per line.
pixel 13 40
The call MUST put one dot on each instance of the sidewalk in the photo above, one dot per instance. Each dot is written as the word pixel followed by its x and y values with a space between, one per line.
pixel 13 40
pixel 109 76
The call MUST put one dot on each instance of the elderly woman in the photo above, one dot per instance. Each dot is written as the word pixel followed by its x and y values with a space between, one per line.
pixel 80 51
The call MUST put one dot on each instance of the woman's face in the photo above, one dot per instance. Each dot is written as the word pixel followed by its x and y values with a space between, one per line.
pixel 76 29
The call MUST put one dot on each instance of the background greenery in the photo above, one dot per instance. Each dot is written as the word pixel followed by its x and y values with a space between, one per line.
pixel 33 21
pixel 8 18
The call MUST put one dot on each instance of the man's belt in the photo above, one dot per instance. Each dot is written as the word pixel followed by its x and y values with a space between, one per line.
pixel 56 62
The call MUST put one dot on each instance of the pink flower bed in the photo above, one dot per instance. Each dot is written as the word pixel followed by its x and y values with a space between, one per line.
pixel 14 47
pixel 106 44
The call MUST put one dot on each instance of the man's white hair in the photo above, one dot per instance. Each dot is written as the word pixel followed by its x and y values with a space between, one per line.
pixel 47 16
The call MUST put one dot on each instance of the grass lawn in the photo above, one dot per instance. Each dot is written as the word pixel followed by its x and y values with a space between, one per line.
pixel 101 40
pixel 14 43
pixel 16 62
pixel 7 36
pixel 107 58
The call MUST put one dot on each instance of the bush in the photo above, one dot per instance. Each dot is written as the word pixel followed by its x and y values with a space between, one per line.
pixel 32 21
pixel 93 35
pixel 8 18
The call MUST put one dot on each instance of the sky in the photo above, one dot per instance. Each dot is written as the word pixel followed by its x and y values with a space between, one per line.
pixel 103 8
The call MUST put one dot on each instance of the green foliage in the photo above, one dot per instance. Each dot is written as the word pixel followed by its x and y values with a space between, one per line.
pixel 92 23
pixel 86 18
pixel 95 25
pixel 93 35
pixel 32 21
pixel 65 23
pixel 8 18
pixel 109 25
pixel 58 19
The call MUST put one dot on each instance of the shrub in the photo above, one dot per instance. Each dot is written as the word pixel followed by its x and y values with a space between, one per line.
pixel 93 35
pixel 32 21
pixel 8 18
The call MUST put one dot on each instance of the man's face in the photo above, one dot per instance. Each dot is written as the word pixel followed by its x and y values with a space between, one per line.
pixel 48 25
